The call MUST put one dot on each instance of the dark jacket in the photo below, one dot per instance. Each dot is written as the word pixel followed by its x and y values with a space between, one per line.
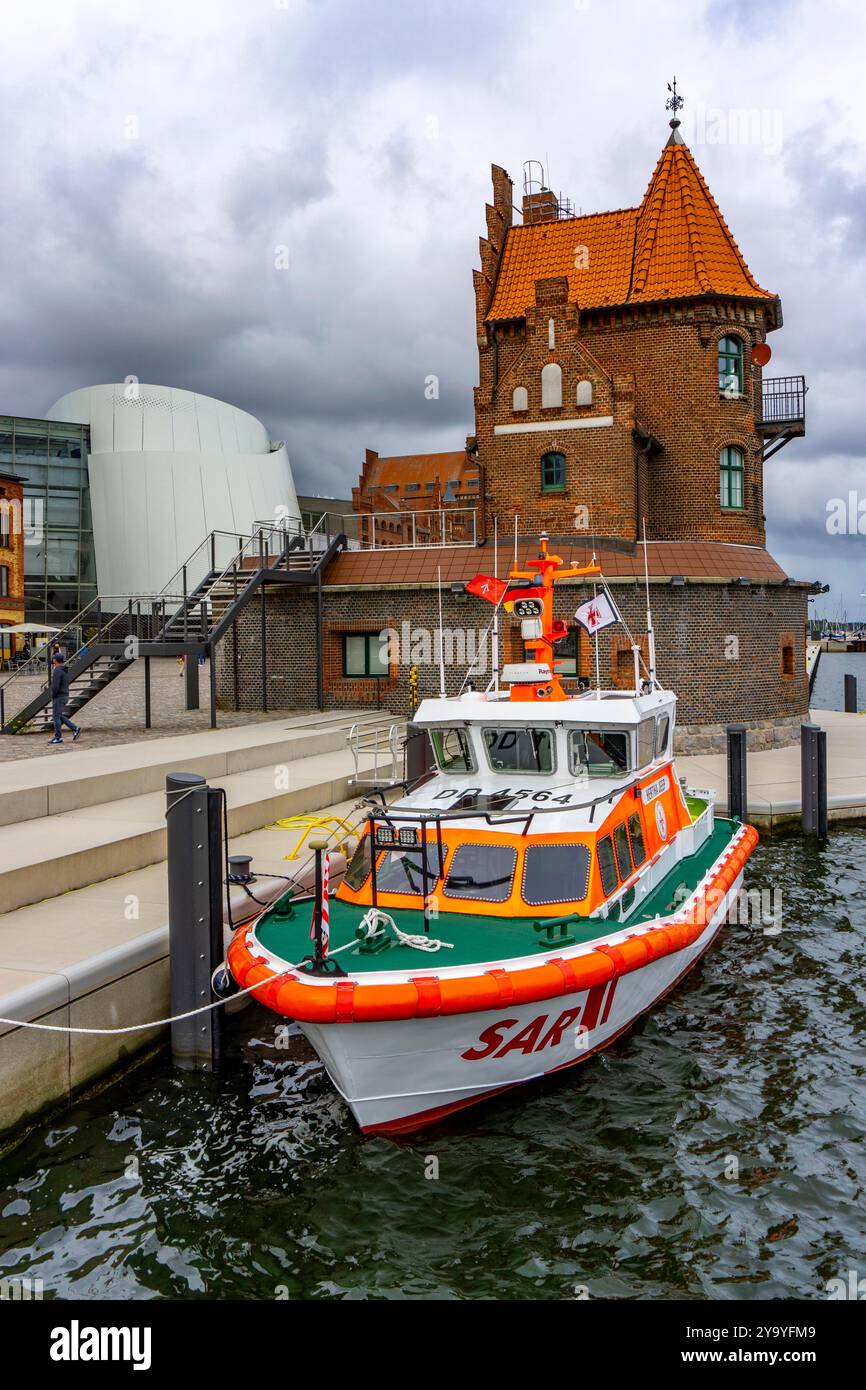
pixel 60 683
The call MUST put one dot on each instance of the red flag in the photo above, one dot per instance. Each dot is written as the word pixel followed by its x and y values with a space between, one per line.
pixel 485 586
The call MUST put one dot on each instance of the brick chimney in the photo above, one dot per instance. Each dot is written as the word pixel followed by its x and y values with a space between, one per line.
pixel 540 207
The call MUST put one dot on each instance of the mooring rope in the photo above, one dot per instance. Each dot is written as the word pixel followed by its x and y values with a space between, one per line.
pixel 161 1022
pixel 375 920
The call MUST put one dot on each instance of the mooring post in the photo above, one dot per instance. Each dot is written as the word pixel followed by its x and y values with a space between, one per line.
pixel 737 788
pixel 813 780
pixel 419 754
pixel 190 675
pixel 195 926
pixel 147 692
pixel 850 693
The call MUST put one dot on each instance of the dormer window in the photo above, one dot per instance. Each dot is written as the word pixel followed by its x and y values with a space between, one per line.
pixel 731 367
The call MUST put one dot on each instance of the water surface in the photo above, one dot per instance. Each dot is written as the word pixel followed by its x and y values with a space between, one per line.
pixel 715 1152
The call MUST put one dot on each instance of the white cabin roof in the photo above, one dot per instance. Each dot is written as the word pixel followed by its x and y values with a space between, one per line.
pixel 613 708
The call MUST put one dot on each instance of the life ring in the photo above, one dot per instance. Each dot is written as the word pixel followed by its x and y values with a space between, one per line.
pixel 426 995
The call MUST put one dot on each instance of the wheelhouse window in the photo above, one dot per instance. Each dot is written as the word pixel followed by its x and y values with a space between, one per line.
pixel 646 741
pixel 359 866
pixel 623 855
pixel 598 752
pixel 453 750
pixel 555 874
pixel 365 656
pixel 731 473
pixel 481 872
pixel 519 750
pixel 401 870
pixel 635 835
pixel 731 367
pixel 553 473
pixel 662 730
pixel 607 866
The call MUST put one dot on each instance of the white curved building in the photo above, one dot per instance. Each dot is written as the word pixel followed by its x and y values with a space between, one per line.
pixel 165 468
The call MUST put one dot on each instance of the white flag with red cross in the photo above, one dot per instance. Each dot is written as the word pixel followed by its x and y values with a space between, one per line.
pixel 598 612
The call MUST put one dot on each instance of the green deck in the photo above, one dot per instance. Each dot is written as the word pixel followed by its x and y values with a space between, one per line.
pixel 284 928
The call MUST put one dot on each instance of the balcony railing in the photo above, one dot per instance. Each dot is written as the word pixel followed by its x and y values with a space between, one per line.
pixel 783 400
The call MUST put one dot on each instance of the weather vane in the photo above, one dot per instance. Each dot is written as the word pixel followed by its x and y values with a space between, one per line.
pixel 674 102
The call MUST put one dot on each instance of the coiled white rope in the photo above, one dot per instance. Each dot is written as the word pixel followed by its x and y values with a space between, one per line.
pixel 375 920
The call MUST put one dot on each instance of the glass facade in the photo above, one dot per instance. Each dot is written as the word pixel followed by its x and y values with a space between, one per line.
pixel 59 560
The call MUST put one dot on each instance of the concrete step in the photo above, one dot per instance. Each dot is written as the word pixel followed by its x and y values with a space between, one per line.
pixel 44 857
pixel 48 786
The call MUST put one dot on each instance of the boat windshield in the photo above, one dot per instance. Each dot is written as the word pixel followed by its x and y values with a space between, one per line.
pixel 483 872
pixel 400 870
pixel 359 866
pixel 452 749
pixel 598 752
pixel 519 750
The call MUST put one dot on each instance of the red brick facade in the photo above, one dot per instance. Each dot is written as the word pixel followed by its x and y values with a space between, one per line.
pixel 642 422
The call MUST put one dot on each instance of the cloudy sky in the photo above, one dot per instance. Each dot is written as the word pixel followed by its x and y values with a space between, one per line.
pixel 278 202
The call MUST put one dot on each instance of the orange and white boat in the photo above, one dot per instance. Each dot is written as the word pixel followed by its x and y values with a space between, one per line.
pixel 519 909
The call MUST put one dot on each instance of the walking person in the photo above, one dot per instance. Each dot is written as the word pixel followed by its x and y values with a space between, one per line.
pixel 59 696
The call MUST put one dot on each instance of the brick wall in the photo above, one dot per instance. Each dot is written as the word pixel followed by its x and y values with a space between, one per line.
pixel 722 648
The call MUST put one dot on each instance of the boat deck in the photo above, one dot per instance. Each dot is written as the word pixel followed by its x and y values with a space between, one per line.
pixel 284 929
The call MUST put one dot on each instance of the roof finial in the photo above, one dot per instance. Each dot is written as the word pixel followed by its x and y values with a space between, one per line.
pixel 673 104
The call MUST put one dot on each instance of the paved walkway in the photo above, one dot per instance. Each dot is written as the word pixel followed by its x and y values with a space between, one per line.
pixel 117 714
pixel 773 774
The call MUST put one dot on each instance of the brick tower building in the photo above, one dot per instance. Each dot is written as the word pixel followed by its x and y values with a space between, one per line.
pixel 620 388
pixel 617 382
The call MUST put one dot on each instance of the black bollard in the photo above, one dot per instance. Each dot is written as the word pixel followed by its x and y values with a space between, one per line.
pixel 737 788
pixel 850 693
pixel 195 926
pixel 190 680
pixel 813 780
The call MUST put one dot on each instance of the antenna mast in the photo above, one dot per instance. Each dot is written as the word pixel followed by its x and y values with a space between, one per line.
pixel 651 637
pixel 441 643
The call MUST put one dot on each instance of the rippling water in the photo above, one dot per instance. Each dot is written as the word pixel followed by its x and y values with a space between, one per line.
pixel 715 1152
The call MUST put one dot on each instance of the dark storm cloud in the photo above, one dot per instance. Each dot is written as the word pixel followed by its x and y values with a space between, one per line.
pixel 164 162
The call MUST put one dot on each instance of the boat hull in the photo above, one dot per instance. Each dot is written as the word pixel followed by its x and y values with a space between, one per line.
pixel 397 1076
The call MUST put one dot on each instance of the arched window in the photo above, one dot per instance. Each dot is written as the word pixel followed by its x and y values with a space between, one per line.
pixel 551 385
pixel 731 367
pixel 584 393
pixel 520 398
pixel 731 471
pixel 553 473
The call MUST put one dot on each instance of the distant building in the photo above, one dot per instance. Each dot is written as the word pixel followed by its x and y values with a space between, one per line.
pixel 50 457
pixel 11 561
pixel 165 468
pixel 401 499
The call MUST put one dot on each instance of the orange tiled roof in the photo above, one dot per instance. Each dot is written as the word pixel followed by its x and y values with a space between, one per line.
pixel 674 246
pixel 417 468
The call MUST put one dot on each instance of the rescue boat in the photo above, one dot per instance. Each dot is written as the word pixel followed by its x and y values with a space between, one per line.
pixel 521 906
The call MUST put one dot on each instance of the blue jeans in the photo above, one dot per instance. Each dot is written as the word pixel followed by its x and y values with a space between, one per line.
pixel 58 704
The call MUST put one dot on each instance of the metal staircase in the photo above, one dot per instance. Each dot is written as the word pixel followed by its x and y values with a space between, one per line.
pixel 188 617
